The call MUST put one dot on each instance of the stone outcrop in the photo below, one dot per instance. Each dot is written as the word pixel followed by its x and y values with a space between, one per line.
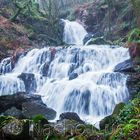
pixel 29 82
pixel 70 116
pixel 133 83
pixel 31 109
pixel 22 105
pixel 126 66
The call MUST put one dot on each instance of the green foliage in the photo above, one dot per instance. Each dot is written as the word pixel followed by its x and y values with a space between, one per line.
pixel 129 111
pixel 134 36
pixel 129 128
pixel 26 8
pixel 125 129
pixel 126 121
pixel 134 121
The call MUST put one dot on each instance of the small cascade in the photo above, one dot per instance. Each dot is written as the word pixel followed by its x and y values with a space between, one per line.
pixel 77 79
pixel 74 33
pixel 6 65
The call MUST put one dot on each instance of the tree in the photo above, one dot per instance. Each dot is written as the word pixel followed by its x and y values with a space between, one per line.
pixel 136 7
pixel 51 10
pixel 25 7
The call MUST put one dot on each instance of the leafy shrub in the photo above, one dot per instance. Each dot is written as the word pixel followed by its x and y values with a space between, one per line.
pixel 127 121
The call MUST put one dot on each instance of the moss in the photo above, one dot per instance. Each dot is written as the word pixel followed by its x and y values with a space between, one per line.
pixel 118 107
pixel 38 118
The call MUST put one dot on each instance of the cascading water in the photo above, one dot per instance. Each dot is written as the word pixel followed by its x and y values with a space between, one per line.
pixel 92 94
pixel 74 32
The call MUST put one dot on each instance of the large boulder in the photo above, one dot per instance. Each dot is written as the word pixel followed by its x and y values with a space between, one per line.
pixel 29 82
pixel 126 66
pixel 30 104
pixel 70 116
pixel 31 109
pixel 16 100
pixel 13 111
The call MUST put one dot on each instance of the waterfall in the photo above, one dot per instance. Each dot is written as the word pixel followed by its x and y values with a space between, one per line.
pixel 74 32
pixel 77 79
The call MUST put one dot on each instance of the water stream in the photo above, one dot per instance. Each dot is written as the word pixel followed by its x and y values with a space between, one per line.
pixel 77 79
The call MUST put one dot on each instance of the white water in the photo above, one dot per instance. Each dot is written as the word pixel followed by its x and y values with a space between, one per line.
pixel 74 32
pixel 92 95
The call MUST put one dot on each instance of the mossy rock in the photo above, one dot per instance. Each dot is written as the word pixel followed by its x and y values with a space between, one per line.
pixel 117 108
pixel 106 122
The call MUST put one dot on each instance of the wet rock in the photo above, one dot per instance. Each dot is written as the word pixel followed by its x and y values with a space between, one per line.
pixel 13 111
pixel 16 130
pixel 29 82
pixel 16 100
pixel 126 66
pixel 31 109
pixel 70 116
pixel 30 104
pixel 45 69
pixel 73 76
